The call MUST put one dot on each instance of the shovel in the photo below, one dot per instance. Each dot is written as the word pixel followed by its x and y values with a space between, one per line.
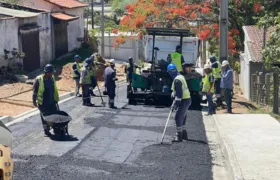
pixel 166 124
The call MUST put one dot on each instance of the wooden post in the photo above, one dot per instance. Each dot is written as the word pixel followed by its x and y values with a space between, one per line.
pixel 276 93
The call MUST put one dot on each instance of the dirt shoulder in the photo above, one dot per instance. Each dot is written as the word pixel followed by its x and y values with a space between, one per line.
pixel 16 98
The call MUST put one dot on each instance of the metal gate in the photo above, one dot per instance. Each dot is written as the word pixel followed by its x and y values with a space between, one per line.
pixel 60 37
pixel 31 48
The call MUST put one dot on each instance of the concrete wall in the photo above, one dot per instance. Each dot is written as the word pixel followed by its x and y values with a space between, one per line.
pixel 129 49
pixel 45 37
pixel 75 28
pixel 9 37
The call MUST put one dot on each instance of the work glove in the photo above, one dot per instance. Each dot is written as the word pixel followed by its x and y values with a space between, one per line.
pixel 175 105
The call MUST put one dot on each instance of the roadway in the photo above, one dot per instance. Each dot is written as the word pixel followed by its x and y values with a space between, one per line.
pixel 120 144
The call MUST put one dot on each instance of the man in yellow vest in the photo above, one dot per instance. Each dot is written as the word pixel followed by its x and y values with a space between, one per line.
pixel 217 70
pixel 45 94
pixel 177 59
pixel 181 103
pixel 129 70
pixel 76 74
pixel 85 82
pixel 93 72
pixel 208 89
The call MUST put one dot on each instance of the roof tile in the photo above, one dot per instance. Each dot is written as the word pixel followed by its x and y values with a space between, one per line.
pixel 256 40
pixel 67 3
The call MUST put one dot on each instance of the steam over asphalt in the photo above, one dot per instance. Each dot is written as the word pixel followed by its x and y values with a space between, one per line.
pixel 116 144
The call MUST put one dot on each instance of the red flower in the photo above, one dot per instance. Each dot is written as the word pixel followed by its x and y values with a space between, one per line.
pixel 193 15
pixel 257 7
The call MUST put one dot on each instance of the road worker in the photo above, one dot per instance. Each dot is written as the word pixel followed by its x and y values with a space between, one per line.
pixel 129 70
pixel 227 84
pixel 217 70
pixel 208 89
pixel 178 59
pixel 110 83
pixel 86 81
pixel 93 73
pixel 181 103
pixel 193 79
pixel 76 74
pixel 45 94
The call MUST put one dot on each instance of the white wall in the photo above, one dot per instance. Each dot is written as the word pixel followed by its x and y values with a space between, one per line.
pixel 75 28
pixel 45 38
pixel 8 38
pixel 124 51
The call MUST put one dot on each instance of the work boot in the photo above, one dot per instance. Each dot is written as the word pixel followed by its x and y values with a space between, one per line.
pixel 178 138
pixel 78 95
pixel 185 135
pixel 208 114
pixel 89 104
pixel 112 106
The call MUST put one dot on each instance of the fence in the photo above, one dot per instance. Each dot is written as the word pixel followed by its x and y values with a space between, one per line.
pixel 265 91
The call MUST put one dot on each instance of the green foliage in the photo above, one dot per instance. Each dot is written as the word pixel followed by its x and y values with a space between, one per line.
pixel 120 4
pixel 271 53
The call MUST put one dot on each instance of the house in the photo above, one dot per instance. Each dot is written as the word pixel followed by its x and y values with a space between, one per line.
pixel 251 61
pixel 26 30
pixel 67 22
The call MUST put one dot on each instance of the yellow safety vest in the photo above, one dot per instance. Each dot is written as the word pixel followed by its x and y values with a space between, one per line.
pixel 41 90
pixel 93 71
pixel 176 60
pixel 87 77
pixel 74 75
pixel 186 92
pixel 206 84
pixel 217 71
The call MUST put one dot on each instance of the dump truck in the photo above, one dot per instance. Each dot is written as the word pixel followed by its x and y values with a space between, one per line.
pixel 154 83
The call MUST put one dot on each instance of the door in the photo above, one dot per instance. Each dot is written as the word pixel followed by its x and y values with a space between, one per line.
pixel 60 37
pixel 31 48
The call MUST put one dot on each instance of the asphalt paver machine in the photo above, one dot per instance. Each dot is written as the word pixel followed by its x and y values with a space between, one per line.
pixel 155 83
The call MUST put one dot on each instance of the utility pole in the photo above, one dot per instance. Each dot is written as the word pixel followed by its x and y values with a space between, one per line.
pixel 102 30
pixel 92 15
pixel 223 30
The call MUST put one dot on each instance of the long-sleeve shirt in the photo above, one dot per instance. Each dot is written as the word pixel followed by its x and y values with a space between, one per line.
pixel 110 77
pixel 178 89
pixel 227 79
pixel 84 73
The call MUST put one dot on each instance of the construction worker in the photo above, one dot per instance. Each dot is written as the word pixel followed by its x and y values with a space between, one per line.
pixel 217 70
pixel 93 72
pixel 208 89
pixel 110 83
pixel 129 70
pixel 45 94
pixel 178 59
pixel 6 162
pixel 227 84
pixel 181 103
pixel 76 74
pixel 193 80
pixel 85 82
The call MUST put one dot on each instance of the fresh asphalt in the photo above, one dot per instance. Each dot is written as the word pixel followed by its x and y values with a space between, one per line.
pixel 120 144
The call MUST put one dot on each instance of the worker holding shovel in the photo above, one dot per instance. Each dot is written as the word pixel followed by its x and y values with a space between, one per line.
pixel 181 103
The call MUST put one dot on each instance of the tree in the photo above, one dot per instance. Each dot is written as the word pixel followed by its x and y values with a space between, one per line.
pixel 200 17
pixel 271 53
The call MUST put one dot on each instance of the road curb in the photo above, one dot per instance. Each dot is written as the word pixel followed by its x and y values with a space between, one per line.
pixel 8 120
pixel 232 166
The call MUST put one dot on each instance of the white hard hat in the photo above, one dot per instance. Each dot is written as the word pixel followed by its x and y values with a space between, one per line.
pixel 112 61
pixel 225 63
pixel 207 66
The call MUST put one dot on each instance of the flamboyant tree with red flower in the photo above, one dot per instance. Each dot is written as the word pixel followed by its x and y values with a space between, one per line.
pixel 200 17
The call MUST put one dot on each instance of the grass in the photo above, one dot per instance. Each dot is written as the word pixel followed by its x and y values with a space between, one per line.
pixel 84 52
